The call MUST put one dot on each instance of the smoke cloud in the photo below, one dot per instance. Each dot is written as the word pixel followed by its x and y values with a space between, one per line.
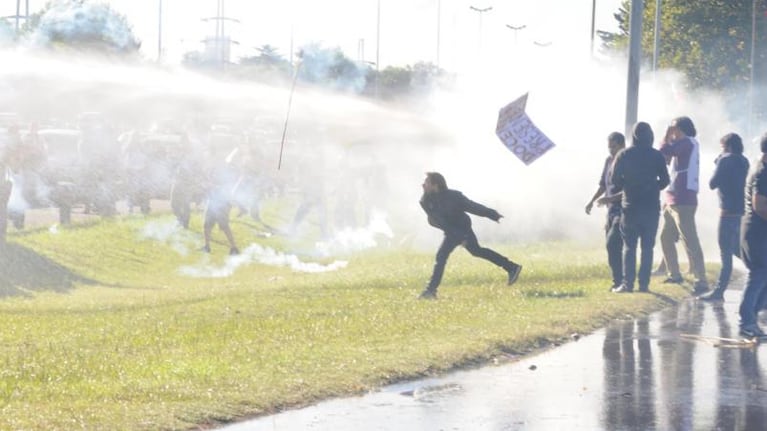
pixel 255 253
pixel 183 242
pixel 339 143
pixel 85 22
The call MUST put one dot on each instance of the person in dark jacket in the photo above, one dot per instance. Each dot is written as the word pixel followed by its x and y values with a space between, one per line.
pixel 612 200
pixel 729 180
pixel 753 248
pixel 446 210
pixel 640 173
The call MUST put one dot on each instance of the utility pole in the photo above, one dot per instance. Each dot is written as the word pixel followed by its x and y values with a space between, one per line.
pixel 159 33
pixel 378 46
pixel 292 66
pixel 593 23
pixel 635 56
pixel 516 29
pixel 218 47
pixel 480 11
pixel 439 27
pixel 755 7
pixel 656 39
pixel 18 15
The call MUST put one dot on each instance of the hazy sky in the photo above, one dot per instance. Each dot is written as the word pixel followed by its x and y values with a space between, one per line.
pixel 409 30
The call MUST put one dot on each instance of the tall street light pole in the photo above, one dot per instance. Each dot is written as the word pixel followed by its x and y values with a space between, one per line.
pixel 635 54
pixel 480 11
pixel 18 15
pixel 378 45
pixel 593 23
pixel 516 30
pixel 159 33
pixel 755 7
pixel 439 28
pixel 656 38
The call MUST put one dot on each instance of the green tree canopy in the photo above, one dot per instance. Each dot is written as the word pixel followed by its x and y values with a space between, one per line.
pixel 7 35
pixel 82 25
pixel 330 67
pixel 709 41
pixel 267 56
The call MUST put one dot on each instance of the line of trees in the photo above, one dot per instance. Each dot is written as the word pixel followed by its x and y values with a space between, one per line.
pixel 329 67
pixel 90 27
pixel 709 41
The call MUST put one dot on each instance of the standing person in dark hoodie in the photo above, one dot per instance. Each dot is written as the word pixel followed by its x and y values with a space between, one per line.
pixel 446 210
pixel 640 173
pixel 729 180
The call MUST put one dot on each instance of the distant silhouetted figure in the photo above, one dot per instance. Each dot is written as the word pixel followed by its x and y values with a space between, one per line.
pixel 221 181
pixel 640 173
pixel 186 184
pixel 5 193
pixel 446 210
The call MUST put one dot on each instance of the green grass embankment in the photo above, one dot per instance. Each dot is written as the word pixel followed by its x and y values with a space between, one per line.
pixel 102 330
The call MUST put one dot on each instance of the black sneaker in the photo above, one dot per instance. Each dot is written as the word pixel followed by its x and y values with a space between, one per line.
pixel 713 296
pixel 700 287
pixel 234 251
pixel 428 294
pixel 623 289
pixel 514 273
pixel 674 280
pixel 751 331
pixel 644 289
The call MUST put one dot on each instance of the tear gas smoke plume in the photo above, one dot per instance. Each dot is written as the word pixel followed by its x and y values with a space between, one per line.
pixel 576 102
pixel 356 155
pixel 184 242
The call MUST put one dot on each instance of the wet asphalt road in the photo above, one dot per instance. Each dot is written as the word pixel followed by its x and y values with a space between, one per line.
pixel 645 374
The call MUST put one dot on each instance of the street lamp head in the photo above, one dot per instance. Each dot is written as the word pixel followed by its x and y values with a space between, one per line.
pixel 481 9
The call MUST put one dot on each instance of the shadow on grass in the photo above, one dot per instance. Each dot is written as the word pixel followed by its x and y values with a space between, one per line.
pixel 667 299
pixel 23 271
pixel 537 293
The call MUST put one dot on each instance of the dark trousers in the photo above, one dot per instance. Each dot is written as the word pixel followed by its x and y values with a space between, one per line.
pixel 638 226
pixel 469 241
pixel 728 233
pixel 614 243
pixel 754 255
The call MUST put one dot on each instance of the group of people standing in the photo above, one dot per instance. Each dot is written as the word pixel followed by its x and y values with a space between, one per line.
pixel 630 187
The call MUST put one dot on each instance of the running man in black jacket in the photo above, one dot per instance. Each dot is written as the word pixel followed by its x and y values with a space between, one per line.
pixel 447 210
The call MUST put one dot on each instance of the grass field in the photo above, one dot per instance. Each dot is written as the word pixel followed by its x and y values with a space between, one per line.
pixel 103 327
